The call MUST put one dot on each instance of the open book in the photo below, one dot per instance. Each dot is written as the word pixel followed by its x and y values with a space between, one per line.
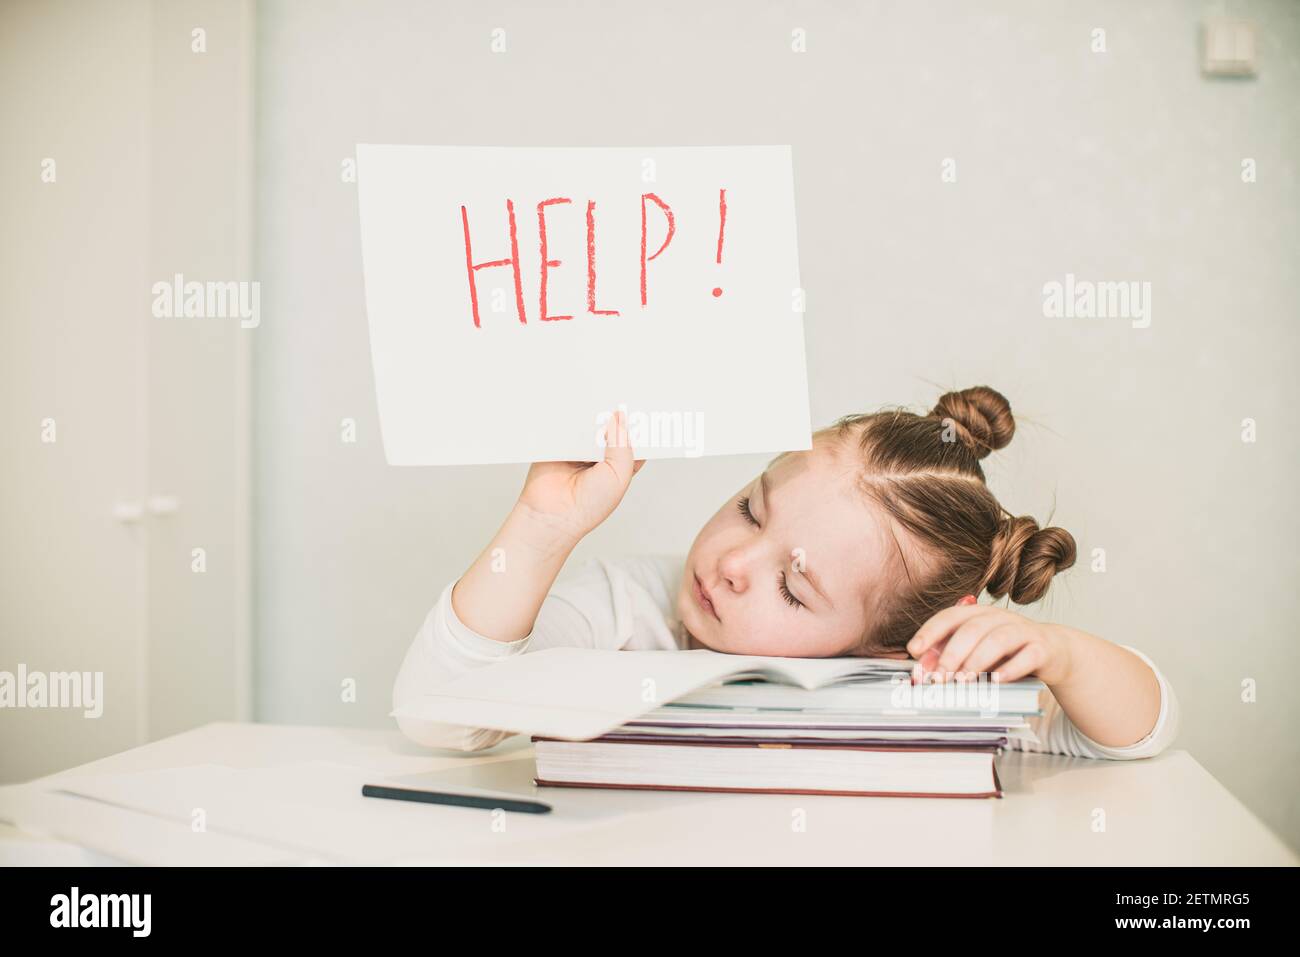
pixel 581 693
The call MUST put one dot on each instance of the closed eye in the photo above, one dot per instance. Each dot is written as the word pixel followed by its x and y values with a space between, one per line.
pixel 743 505
pixel 785 593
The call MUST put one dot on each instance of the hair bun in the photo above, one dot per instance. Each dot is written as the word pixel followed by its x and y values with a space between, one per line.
pixel 1025 558
pixel 981 416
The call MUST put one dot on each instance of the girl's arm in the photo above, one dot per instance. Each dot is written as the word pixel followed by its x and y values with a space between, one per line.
pixel 503 594
pixel 580 611
pixel 1108 693
pixel 502 591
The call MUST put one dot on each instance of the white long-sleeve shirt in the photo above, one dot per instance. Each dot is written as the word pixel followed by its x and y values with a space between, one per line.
pixel 629 604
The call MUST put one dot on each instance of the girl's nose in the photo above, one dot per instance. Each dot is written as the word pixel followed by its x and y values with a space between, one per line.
pixel 734 569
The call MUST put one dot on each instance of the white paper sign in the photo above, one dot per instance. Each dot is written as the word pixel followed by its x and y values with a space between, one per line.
pixel 518 295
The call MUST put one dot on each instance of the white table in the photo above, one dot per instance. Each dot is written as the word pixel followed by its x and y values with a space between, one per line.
pixel 1163 811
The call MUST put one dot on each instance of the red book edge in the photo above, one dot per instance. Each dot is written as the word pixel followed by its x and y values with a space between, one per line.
pixel 993 752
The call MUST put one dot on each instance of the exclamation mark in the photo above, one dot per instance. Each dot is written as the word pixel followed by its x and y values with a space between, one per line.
pixel 722 231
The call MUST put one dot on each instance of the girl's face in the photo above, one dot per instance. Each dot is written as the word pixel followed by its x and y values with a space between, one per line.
pixel 792 566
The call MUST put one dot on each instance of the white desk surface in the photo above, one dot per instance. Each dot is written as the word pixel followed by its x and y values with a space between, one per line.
pixel 1162 811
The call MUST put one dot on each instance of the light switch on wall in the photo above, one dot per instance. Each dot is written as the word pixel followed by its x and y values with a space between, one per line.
pixel 1228 47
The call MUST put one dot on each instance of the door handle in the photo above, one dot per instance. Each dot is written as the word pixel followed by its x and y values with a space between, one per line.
pixel 163 505
pixel 128 513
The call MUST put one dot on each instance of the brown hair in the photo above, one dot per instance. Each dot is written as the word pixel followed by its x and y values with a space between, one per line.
pixel 924 471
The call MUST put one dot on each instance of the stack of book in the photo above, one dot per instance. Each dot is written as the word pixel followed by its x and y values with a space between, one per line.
pixel 861 730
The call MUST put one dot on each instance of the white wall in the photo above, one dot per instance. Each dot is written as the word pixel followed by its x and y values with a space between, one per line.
pixel 1115 166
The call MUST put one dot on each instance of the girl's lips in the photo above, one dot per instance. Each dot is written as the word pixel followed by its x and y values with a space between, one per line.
pixel 702 599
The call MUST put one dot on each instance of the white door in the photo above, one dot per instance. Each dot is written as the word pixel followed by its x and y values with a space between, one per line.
pixel 124 435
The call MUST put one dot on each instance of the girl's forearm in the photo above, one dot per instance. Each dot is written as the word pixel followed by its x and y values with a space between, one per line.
pixel 501 593
pixel 1109 693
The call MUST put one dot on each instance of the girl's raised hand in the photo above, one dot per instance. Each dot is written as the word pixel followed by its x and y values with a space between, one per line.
pixel 970 639
pixel 572 498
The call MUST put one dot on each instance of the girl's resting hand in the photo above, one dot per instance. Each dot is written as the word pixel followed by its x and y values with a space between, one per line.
pixel 572 498
pixel 975 639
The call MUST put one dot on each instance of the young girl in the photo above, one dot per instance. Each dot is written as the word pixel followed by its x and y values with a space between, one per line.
pixel 874 542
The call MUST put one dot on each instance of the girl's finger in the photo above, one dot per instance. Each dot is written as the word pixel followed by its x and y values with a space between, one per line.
pixel 963 640
pixel 1002 641
pixel 940 626
pixel 618 453
pixel 637 467
pixel 926 664
pixel 1026 661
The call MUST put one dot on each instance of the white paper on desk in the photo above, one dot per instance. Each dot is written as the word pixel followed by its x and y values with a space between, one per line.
pixel 315 810
pixel 127 833
pixel 468 372
pixel 580 693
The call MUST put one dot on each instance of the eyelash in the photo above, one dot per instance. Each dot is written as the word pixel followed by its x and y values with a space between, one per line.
pixel 785 593
pixel 743 505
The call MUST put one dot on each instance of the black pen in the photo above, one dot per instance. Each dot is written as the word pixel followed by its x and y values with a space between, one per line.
pixel 460 800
